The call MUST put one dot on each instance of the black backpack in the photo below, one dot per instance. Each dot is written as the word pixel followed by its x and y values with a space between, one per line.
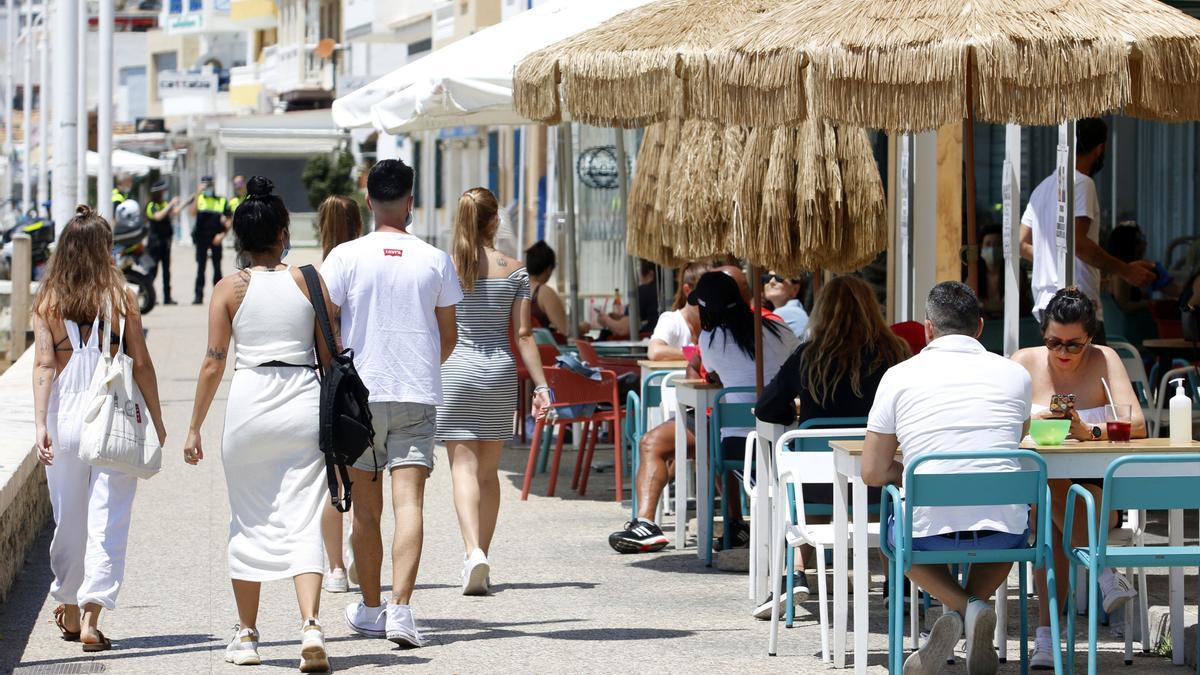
pixel 346 429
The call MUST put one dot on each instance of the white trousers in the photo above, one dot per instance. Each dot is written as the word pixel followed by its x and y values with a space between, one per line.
pixel 92 509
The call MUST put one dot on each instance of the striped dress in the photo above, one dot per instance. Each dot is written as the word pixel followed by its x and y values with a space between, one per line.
pixel 479 380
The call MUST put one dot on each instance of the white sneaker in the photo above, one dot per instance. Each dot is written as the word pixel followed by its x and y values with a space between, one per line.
pixel 981 631
pixel 401 628
pixel 1116 591
pixel 242 650
pixel 932 655
pixel 763 611
pixel 475 574
pixel 335 581
pixel 313 658
pixel 367 621
pixel 1042 657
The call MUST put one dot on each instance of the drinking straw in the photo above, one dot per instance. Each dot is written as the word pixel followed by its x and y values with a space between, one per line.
pixel 1108 393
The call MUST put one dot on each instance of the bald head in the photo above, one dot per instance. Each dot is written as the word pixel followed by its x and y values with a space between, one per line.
pixel 740 278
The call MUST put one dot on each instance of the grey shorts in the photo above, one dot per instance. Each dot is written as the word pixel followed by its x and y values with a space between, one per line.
pixel 403 436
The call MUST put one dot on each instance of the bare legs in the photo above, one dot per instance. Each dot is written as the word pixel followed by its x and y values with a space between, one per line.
pixel 308 597
pixel 1058 497
pixel 332 533
pixel 474 467
pixel 982 583
pixel 657 450
pixel 89 630
pixel 408 501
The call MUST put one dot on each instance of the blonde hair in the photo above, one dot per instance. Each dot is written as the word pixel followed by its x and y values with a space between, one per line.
pixel 846 326
pixel 477 209
pixel 82 275
pixel 338 221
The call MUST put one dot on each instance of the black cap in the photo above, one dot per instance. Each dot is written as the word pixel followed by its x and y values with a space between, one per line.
pixel 206 179
pixel 159 186
pixel 715 290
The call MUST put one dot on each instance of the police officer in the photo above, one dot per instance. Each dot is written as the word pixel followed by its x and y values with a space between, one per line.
pixel 123 189
pixel 160 212
pixel 239 193
pixel 213 218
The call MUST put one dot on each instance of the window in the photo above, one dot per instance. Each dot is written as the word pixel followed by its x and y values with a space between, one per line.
pixel 418 151
pixel 176 7
pixel 419 48
pixel 439 199
pixel 493 160
pixel 195 5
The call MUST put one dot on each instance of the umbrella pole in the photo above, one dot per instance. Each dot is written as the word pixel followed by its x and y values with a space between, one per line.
pixel 969 152
pixel 635 318
pixel 756 284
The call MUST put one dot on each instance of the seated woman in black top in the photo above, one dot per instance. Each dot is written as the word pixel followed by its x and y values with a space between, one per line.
pixel 836 372
pixel 833 374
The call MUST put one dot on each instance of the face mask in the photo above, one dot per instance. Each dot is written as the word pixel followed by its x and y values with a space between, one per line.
pixel 287 248
pixel 409 220
pixel 992 255
pixel 1098 165
pixel 209 192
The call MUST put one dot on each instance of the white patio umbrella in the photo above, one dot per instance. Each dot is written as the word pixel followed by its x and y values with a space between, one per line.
pixel 469 82
pixel 124 161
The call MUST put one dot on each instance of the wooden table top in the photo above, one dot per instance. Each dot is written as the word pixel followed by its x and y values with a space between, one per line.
pixel 1140 446
pixel 662 365
pixel 1170 343
pixel 698 384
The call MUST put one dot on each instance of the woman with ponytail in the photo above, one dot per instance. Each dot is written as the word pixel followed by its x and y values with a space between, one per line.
pixel 92 506
pixel 479 380
pixel 274 469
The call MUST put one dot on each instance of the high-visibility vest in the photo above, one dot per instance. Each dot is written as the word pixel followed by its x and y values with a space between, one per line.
pixel 233 203
pixel 154 207
pixel 206 203
pixel 118 196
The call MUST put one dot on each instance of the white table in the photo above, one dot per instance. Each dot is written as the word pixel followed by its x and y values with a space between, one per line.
pixel 698 395
pixel 1070 460
pixel 654 416
pixel 760 518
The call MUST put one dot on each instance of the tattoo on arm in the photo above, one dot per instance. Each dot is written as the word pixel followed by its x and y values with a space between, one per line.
pixel 216 353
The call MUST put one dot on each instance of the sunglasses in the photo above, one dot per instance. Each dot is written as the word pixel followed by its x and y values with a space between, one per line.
pixel 1054 345
pixel 768 278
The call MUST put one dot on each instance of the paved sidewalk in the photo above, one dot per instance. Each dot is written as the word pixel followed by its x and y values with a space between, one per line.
pixel 563 602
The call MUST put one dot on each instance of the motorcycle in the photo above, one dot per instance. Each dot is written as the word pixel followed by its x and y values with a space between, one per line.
pixel 129 251
pixel 41 234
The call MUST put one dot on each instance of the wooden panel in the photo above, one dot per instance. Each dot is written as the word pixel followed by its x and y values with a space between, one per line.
pixel 891 310
pixel 949 202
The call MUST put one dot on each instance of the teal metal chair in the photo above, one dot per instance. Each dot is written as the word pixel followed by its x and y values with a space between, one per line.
pixel 651 397
pixel 816 443
pixel 997 488
pixel 725 414
pixel 1166 490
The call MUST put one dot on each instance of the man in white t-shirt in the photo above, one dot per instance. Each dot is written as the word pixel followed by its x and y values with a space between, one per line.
pixel 396 295
pixel 953 396
pixel 1039 225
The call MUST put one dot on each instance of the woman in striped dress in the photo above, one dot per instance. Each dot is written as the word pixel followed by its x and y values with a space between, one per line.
pixel 479 380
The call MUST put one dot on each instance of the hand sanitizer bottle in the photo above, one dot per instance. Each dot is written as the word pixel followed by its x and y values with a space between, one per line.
pixel 1181 415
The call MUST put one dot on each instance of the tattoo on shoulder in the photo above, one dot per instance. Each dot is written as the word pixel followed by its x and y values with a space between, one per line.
pixel 216 353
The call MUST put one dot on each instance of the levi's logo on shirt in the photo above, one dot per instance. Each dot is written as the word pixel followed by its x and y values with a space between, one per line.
pixel 394 252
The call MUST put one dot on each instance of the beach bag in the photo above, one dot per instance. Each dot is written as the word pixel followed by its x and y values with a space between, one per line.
pixel 118 433
pixel 346 430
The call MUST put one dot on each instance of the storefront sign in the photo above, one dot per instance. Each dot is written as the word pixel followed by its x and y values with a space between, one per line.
pixel 174 83
pixel 597 167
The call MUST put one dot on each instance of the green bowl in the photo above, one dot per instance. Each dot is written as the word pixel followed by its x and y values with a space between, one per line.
pixel 1049 432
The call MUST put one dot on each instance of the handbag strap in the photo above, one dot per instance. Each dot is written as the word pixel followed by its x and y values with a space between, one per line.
pixel 317 297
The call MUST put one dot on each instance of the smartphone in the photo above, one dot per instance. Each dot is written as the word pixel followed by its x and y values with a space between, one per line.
pixel 1062 404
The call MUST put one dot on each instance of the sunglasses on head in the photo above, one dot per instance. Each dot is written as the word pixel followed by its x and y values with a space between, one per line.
pixel 768 278
pixel 1054 345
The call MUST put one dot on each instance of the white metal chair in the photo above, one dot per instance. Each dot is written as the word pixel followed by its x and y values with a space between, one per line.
pixel 796 469
pixel 750 485
pixel 1160 416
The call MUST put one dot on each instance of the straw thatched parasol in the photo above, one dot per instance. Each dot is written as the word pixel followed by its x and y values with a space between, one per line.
pixel 623 72
pixel 914 65
pixel 791 199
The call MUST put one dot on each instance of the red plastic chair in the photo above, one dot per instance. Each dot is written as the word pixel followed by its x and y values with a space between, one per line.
pixel 571 390
pixel 549 354
pixel 911 332
pixel 1167 319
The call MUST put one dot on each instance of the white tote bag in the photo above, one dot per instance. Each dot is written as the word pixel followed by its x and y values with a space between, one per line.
pixel 118 433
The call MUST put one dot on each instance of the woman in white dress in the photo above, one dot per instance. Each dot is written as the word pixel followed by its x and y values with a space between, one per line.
pixel 274 468
pixel 92 506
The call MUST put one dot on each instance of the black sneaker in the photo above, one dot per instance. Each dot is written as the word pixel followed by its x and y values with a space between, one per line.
pixel 740 535
pixel 169 301
pixel 639 536
pixel 198 301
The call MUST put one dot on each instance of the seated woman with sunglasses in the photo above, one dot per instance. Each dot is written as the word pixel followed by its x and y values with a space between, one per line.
pixel 1071 363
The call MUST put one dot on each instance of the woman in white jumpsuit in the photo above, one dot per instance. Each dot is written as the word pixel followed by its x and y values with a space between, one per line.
pixel 274 468
pixel 92 506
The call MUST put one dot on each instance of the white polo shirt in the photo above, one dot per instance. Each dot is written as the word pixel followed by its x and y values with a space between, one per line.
pixel 956 396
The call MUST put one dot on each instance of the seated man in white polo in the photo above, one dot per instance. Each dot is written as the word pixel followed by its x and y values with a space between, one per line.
pixel 953 396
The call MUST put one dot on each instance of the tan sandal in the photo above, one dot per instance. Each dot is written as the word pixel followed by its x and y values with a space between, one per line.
pixel 60 613
pixel 102 646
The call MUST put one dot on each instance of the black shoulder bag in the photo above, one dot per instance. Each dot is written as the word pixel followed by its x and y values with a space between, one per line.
pixel 345 423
